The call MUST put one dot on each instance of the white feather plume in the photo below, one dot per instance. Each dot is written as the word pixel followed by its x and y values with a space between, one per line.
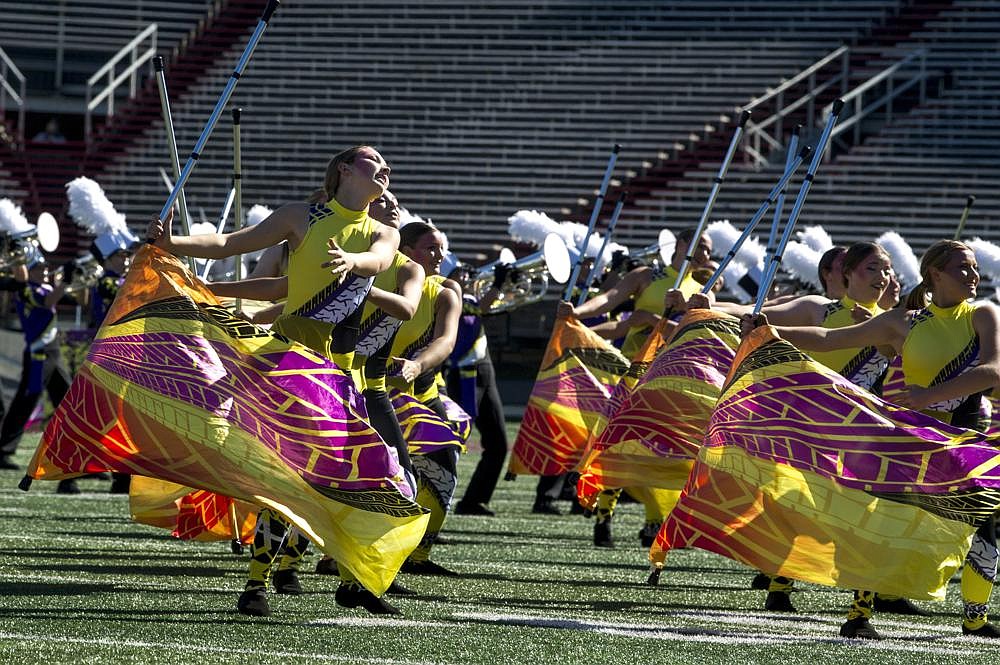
pixel 987 256
pixel 257 214
pixel 731 276
pixel 723 236
pixel 816 238
pixel 904 261
pixel 12 219
pixel 531 226
pixel 802 262
pixel 90 208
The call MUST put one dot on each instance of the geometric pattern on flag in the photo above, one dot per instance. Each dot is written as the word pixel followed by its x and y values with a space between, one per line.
pixel 567 401
pixel 423 430
pixel 663 420
pixel 190 514
pixel 176 388
pixel 458 419
pixel 806 475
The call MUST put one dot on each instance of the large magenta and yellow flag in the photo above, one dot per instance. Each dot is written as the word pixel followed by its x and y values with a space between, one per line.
pixel 654 436
pixel 176 388
pixel 805 475
pixel 568 401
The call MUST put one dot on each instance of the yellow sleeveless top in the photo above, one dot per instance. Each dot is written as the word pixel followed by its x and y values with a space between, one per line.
pixel 940 345
pixel 378 329
pixel 322 312
pixel 413 337
pixel 651 300
pixel 865 367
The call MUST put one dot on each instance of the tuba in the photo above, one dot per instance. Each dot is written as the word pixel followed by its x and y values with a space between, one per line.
pixel 23 248
pixel 534 272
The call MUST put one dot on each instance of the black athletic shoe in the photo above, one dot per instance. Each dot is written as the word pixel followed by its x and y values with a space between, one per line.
pixel 987 630
pixel 545 508
pixel 602 534
pixel 427 567
pixel 353 595
pixel 898 606
pixel 67 487
pixel 760 582
pixel 327 567
pixel 859 629
pixel 253 603
pixel 287 582
pixel 8 463
pixel 120 483
pixel 463 508
pixel 647 534
pixel 778 601
pixel 398 589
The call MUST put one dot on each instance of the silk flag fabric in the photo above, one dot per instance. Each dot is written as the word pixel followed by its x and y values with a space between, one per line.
pixel 423 429
pixel 176 388
pixel 190 514
pixel 654 437
pixel 568 401
pixel 806 475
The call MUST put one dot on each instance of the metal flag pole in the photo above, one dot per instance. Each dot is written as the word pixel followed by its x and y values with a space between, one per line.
pixel 238 188
pixel 965 216
pixel 272 6
pixel 168 124
pixel 598 203
pixel 776 192
pixel 592 273
pixel 716 185
pixel 772 236
pixel 800 200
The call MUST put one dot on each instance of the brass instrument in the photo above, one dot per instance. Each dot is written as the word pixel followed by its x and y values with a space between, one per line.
pixel 533 274
pixel 661 251
pixel 23 248
pixel 87 272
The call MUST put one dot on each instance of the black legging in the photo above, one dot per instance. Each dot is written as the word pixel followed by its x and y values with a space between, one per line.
pixel 55 381
pixel 383 419
pixel 492 432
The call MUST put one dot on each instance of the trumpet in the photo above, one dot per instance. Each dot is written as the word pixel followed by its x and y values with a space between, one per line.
pixel 532 272
pixel 18 249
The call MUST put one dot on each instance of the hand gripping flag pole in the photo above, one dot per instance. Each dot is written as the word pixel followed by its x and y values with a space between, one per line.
pixel 776 193
pixel 272 6
pixel 800 200
pixel 598 203
pixel 717 184
pixel 168 125
pixel 592 274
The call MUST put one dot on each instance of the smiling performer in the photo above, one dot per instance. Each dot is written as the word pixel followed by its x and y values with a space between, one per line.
pixel 950 349
pixel 335 250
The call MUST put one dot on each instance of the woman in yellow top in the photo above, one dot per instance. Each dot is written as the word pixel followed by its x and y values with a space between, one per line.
pixel 648 287
pixel 335 250
pixel 420 347
pixel 950 349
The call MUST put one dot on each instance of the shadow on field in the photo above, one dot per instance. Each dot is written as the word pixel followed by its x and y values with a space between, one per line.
pixel 121 535
pixel 53 589
pixel 145 570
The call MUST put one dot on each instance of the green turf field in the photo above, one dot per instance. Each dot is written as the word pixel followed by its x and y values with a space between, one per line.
pixel 80 583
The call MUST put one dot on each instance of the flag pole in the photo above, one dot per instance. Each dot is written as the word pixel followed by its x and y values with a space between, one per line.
pixel 800 200
pixel 238 189
pixel 775 194
pixel 598 203
pixel 965 216
pixel 168 124
pixel 772 236
pixel 716 186
pixel 592 273
pixel 272 6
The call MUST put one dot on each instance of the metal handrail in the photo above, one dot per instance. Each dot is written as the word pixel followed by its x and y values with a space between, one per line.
pixel 138 59
pixel 17 96
pixel 855 99
pixel 761 138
